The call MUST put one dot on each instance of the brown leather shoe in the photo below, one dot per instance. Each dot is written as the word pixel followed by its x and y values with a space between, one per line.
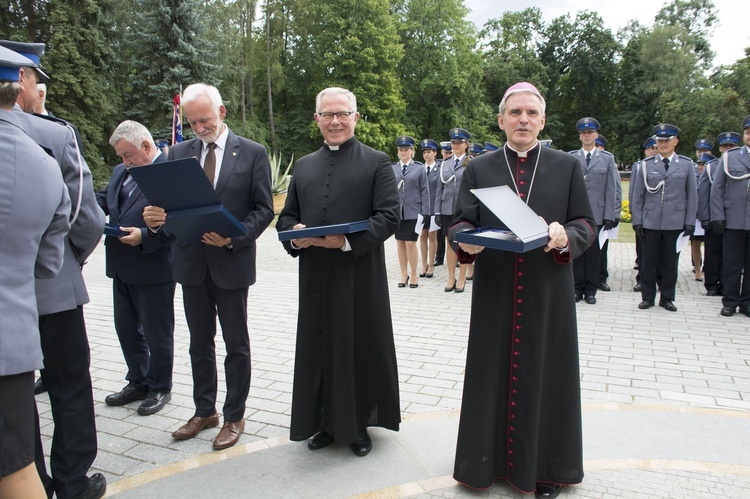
pixel 195 425
pixel 229 434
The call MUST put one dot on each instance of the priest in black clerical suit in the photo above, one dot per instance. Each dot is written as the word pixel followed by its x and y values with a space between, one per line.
pixel 345 375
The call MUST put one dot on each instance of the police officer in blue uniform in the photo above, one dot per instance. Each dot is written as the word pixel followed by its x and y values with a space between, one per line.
pixel 60 303
pixel 703 146
pixel 415 201
pixel 451 173
pixel 664 205
pixel 730 215
pixel 649 150
pixel 428 239
pixel 490 147
pixel 601 144
pixel 446 151
pixel 600 174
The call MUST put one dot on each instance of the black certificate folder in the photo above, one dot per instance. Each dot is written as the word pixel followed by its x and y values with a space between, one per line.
pixel 324 230
pixel 526 231
pixel 192 205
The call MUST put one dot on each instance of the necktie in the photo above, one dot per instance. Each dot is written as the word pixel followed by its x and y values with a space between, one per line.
pixel 455 164
pixel 588 158
pixel 403 169
pixel 428 170
pixel 126 189
pixel 209 165
pixel 666 164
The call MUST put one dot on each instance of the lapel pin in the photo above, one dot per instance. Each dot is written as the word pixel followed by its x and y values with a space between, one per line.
pixel 234 153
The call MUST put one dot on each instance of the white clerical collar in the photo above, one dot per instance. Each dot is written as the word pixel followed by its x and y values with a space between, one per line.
pixel 333 148
pixel 522 154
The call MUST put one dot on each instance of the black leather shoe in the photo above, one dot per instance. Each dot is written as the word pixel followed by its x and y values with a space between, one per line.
pixel 320 440
pixel 39 387
pixel 591 299
pixel 745 310
pixel 636 267
pixel 154 403
pixel 727 311
pixel 96 488
pixel 604 286
pixel 547 490
pixel 578 297
pixel 712 292
pixel 128 394
pixel 668 305
pixel 645 304
pixel 637 288
pixel 363 445
pixel 437 263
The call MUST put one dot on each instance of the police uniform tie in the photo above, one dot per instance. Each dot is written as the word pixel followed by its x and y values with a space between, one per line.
pixel 666 164
pixel 403 169
pixel 428 169
pixel 455 164
pixel 588 158
pixel 209 165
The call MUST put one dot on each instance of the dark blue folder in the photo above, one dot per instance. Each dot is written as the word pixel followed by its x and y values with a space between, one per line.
pixel 526 231
pixel 114 230
pixel 324 230
pixel 192 205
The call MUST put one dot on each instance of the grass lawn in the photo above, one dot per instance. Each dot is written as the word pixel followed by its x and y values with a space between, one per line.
pixel 626 234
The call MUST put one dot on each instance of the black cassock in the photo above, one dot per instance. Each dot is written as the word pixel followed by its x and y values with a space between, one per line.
pixel 521 408
pixel 345 374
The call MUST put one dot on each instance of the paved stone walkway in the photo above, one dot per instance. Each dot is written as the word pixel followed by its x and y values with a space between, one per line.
pixel 666 398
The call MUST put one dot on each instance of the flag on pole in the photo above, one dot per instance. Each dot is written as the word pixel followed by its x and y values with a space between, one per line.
pixel 177 121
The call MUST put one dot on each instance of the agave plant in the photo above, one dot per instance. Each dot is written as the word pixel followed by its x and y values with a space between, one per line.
pixel 280 178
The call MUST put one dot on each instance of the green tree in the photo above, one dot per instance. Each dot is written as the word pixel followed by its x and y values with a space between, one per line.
pixel 737 78
pixel 171 49
pixel 348 43
pixel 581 59
pixel 698 17
pixel 510 48
pixel 441 70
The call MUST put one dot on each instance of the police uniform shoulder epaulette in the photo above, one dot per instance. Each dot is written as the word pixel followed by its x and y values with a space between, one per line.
pixel 419 163
pixel 53 119
pixel 607 153
pixel 685 158
pixel 573 151
pixel 734 148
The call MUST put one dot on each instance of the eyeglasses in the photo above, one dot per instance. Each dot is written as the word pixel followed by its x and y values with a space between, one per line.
pixel 341 115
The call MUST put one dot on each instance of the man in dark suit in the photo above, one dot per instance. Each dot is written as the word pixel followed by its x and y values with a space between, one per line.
pixel 60 303
pixel 215 274
pixel 141 269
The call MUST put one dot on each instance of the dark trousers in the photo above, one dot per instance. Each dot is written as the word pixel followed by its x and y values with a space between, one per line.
pixel 638 256
pixel 659 258
pixel 603 262
pixel 202 304
pixel 66 377
pixel 735 278
pixel 586 269
pixel 712 265
pixel 144 321
pixel 440 252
